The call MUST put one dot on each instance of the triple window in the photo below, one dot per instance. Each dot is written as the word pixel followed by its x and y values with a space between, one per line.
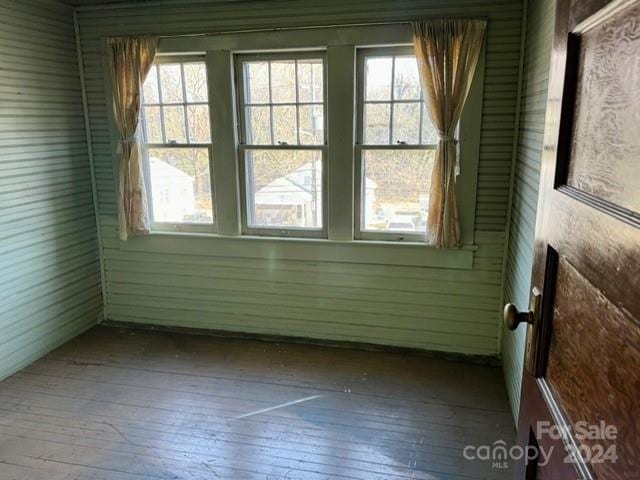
pixel 282 123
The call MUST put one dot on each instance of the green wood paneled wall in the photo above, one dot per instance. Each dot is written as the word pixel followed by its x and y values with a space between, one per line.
pixel 49 268
pixel 431 308
pixel 539 33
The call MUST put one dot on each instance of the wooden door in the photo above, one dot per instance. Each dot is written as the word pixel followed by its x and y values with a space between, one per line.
pixel 582 366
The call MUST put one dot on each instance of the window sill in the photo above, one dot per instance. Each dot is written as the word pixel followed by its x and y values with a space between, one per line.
pixel 414 254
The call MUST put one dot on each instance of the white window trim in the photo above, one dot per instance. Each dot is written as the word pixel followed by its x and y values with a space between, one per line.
pixel 341 245
pixel 243 146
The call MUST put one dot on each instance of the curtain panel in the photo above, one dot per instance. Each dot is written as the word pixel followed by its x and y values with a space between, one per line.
pixel 447 51
pixel 130 61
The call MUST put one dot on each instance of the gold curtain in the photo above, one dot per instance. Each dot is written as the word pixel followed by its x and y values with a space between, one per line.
pixel 447 51
pixel 130 61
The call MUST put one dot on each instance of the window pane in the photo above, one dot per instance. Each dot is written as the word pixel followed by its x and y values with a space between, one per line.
pixel 195 77
pixel 283 82
pixel 406 123
pixel 378 78
pixel 256 80
pixel 150 86
pixel 284 124
pixel 284 188
pixel 198 116
pixel 429 132
pixel 258 125
pixel 406 84
pixel 311 124
pixel 376 123
pixel 395 190
pixel 180 185
pixel 310 81
pixel 152 125
pixel 174 127
pixel 171 83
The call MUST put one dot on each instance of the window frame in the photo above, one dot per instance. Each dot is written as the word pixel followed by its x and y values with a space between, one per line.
pixel 188 227
pixel 361 55
pixel 340 43
pixel 243 147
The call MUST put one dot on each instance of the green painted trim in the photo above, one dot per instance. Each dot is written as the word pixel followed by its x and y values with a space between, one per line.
pixel 92 168
pixel 340 101
pixel 514 160
pixel 470 132
pixel 224 161
pixel 319 37
pixel 368 252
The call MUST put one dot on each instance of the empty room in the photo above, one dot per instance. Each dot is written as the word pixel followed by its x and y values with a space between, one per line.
pixel 317 240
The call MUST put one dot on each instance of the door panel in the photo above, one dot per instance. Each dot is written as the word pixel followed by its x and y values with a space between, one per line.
pixel 605 141
pixel 585 354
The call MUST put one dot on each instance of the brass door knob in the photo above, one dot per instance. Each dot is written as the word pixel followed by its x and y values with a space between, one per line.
pixel 513 317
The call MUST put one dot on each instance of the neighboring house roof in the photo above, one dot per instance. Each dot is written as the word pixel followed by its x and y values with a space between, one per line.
pixel 162 170
pixel 370 184
pixel 294 188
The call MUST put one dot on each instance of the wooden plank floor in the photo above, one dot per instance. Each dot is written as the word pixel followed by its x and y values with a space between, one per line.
pixel 123 404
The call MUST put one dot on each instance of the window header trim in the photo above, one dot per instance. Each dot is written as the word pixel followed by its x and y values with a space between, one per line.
pixel 319 38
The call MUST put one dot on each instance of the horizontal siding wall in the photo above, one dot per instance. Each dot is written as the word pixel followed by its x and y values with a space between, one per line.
pixel 539 35
pixel 439 309
pixel 49 268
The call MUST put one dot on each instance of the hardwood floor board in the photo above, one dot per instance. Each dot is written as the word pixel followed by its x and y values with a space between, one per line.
pixel 216 356
pixel 307 439
pixel 195 453
pixel 330 406
pixel 184 436
pixel 124 457
pixel 296 415
pixel 120 404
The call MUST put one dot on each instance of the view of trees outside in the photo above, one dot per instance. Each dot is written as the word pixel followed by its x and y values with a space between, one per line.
pixel 175 111
pixel 395 196
pixel 283 102
pixel 396 181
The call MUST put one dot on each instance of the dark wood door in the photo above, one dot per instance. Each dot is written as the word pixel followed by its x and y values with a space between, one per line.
pixel 582 366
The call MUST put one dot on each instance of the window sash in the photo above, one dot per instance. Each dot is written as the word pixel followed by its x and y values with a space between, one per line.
pixel 160 104
pixel 177 226
pixel 288 231
pixel 359 232
pixel 361 102
pixel 244 147
pixel 241 59
pixel 145 146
